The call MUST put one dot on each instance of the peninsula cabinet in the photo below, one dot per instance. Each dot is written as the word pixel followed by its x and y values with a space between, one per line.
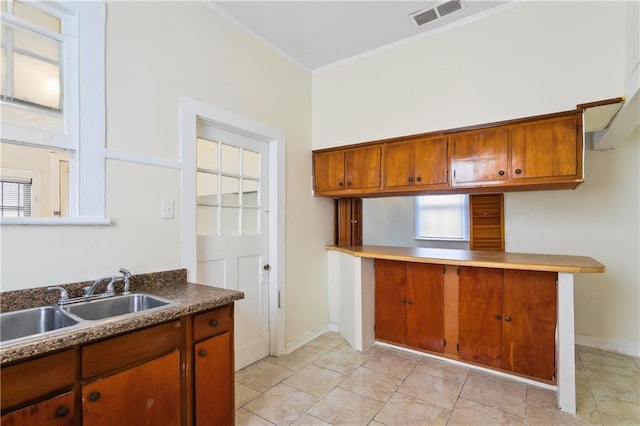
pixel 419 163
pixel 507 320
pixel 344 171
pixel 409 304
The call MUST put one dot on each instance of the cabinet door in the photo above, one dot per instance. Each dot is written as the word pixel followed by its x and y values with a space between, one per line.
pixel 529 311
pixel 425 306
pixel 214 386
pixel 399 164
pixel 328 171
pixel 364 168
pixel 550 148
pixel 148 394
pixel 480 156
pixel 431 162
pixel 391 301
pixel 59 410
pixel 480 315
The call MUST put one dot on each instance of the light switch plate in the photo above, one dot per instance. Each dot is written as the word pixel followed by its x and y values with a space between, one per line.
pixel 167 209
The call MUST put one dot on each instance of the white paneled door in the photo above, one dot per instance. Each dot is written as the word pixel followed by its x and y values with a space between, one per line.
pixel 232 230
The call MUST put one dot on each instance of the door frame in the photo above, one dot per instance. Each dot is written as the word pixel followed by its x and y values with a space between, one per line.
pixel 191 110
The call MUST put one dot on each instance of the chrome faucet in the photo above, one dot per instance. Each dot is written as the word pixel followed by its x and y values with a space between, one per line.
pixel 89 291
pixel 126 275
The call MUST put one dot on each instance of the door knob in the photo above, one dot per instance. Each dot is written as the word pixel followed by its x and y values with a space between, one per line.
pixel 403 300
pixel 267 267
pixel 411 302
pixel 94 396
pixel 507 319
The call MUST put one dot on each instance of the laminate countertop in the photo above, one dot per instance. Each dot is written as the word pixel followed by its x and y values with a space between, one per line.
pixel 191 298
pixel 478 258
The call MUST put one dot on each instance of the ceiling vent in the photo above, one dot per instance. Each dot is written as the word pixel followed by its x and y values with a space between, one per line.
pixel 425 16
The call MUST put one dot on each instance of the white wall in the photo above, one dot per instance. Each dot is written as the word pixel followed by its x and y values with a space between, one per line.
pixel 534 58
pixel 157 51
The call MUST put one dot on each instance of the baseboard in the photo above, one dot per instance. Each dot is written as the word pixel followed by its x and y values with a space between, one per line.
pixel 626 347
pixel 309 336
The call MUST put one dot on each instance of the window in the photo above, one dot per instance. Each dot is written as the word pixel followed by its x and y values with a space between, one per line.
pixel 51 62
pixel 442 217
pixel 15 197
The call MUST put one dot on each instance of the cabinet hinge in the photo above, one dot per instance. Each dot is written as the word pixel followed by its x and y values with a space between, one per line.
pixel 444 342
pixel 458 347
pixel 457 271
pixel 279 306
pixel 444 269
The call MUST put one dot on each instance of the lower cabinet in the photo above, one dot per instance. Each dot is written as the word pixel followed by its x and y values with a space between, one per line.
pixel 214 367
pixel 409 304
pixel 507 320
pixel 176 373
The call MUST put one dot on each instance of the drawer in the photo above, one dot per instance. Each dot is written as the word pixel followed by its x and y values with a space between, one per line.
pixel 28 380
pixel 212 322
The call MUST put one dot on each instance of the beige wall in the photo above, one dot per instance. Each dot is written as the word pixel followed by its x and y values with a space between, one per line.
pixel 534 58
pixel 157 51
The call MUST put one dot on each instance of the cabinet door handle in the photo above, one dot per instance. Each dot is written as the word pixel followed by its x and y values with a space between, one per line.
pixel 340 184
pixel 501 172
pixel 213 323
pixel 349 183
pixel 62 411
pixel 94 396
pixel 203 353
pixel 518 171
pixel 411 302
pixel 419 179
pixel 498 316
pixel 403 300
pixel 410 179
pixel 507 318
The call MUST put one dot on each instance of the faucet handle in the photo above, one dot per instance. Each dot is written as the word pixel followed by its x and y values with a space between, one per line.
pixel 64 296
pixel 126 275
pixel 110 289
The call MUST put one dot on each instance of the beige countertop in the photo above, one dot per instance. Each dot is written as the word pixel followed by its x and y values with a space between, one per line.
pixel 191 298
pixel 478 258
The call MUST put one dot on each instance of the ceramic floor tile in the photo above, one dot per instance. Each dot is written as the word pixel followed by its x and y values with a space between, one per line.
pixel 282 404
pixel 537 416
pixel 342 407
pixel 431 389
pixel 309 420
pixel 342 361
pixel 623 367
pixel 404 410
pixel 297 359
pixel 370 351
pixel 245 394
pixel 612 382
pixel 324 343
pixel 396 363
pixel 619 407
pixel 372 384
pixel 497 392
pixel 541 398
pixel 443 369
pixel 586 407
pixel 262 375
pixel 245 418
pixel 467 413
pixel 315 380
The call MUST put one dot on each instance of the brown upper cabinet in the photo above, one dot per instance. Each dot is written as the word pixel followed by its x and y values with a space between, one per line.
pixel 343 171
pixel 419 163
pixel 543 152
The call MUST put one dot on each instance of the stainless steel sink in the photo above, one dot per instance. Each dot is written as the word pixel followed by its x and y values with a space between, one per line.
pixel 32 322
pixel 118 305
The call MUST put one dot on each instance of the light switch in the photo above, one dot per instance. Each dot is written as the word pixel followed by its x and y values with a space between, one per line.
pixel 167 209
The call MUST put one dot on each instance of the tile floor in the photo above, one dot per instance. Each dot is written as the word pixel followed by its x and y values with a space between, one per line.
pixel 326 382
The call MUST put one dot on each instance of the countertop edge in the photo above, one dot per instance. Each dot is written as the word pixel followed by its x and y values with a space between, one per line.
pixel 478 258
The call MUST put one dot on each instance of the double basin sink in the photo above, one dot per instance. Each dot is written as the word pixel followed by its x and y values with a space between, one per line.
pixel 27 324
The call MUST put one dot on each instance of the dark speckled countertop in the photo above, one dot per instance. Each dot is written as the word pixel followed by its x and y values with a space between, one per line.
pixel 191 298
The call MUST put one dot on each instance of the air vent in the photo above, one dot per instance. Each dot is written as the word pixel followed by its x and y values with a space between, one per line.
pixel 425 16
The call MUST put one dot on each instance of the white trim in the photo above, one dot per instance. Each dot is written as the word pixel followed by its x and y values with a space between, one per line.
pixel 424 35
pixel 626 347
pixel 48 221
pixel 190 110
pixel 307 337
pixel 141 159
pixel 565 345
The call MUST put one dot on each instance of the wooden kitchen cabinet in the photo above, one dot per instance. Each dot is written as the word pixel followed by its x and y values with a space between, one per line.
pixel 409 304
pixel 214 386
pixel 39 391
pixel 345 171
pixel 547 149
pixel 480 157
pixel 507 320
pixel 420 163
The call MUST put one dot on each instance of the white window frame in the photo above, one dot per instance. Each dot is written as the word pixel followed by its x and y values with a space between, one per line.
pixel 463 205
pixel 84 109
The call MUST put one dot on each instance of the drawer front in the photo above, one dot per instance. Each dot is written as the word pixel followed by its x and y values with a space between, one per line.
pixel 212 323
pixel 30 379
pixel 59 410
pixel 129 349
